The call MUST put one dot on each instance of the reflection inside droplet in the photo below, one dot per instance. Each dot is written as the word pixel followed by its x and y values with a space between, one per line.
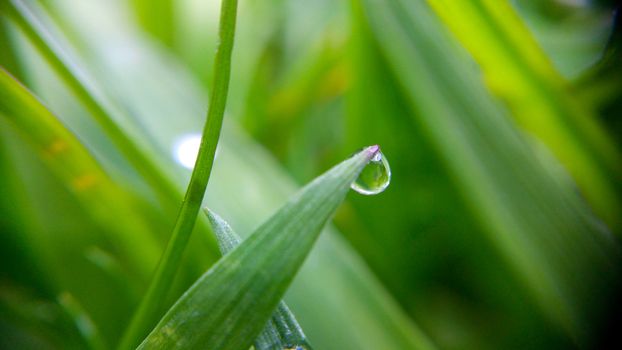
pixel 186 149
pixel 375 177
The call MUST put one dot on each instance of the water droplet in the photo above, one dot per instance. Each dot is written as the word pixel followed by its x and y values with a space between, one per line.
pixel 186 149
pixel 297 347
pixel 375 177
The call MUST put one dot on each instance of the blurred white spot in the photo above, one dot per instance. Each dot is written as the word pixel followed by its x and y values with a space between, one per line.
pixel 186 149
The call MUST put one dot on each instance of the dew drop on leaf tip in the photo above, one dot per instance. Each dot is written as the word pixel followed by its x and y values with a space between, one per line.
pixel 375 177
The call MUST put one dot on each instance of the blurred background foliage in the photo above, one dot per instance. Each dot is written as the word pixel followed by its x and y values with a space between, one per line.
pixel 500 119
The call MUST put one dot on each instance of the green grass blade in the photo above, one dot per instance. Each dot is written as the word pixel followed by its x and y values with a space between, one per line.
pixel 84 90
pixel 573 37
pixel 102 101
pixel 526 205
pixel 282 330
pixel 519 71
pixel 82 321
pixel 80 173
pixel 232 302
pixel 157 17
pixel 8 58
pixel 150 306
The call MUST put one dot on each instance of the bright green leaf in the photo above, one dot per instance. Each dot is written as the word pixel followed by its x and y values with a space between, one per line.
pixel 282 330
pixel 519 71
pixel 79 171
pixel 232 302
pixel 32 21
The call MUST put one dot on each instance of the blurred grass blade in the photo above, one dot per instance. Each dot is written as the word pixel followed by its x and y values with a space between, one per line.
pixel 82 321
pixel 232 302
pixel 518 70
pixel 8 58
pixel 112 268
pixel 573 35
pixel 282 330
pixel 523 201
pixel 79 83
pixel 119 127
pixel 157 17
pixel 67 158
pixel 39 323
pixel 129 135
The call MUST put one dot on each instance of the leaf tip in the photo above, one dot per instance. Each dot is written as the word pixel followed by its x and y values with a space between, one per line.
pixel 372 150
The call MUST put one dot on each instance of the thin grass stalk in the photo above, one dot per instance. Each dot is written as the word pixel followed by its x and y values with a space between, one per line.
pixel 150 308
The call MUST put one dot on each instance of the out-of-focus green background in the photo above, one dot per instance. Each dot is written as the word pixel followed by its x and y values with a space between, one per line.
pixel 500 120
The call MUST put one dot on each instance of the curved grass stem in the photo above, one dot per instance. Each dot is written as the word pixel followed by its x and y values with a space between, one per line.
pixel 150 308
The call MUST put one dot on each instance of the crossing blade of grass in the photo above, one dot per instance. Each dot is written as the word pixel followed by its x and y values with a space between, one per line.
pixel 231 303
pixel 519 71
pixel 125 138
pixel 526 205
pixel 66 157
pixel 149 309
pixel 282 330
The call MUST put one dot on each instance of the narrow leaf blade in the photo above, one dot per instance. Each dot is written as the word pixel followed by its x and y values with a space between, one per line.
pixel 524 203
pixel 79 172
pixel 232 302
pixel 541 103
pixel 282 331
